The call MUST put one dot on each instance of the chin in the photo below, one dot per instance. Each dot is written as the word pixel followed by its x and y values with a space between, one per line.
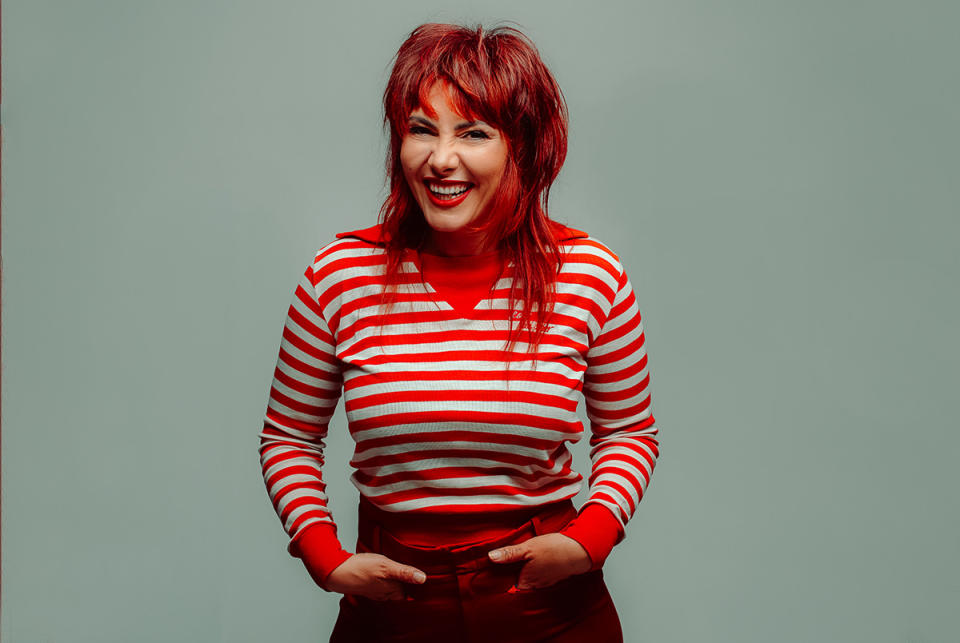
pixel 439 225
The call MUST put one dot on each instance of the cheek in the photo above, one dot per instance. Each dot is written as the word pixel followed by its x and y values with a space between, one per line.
pixel 409 159
pixel 492 165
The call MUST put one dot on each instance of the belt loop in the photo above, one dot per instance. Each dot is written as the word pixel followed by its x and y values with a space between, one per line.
pixel 537 523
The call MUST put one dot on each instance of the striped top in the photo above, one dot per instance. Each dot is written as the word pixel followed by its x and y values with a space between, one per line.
pixel 445 420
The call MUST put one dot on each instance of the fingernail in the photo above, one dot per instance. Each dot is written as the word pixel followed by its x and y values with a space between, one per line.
pixel 420 577
pixel 496 554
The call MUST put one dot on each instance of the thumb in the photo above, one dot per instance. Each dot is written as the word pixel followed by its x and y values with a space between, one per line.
pixel 407 574
pixel 508 554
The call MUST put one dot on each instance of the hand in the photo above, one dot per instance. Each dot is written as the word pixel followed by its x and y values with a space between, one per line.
pixel 374 576
pixel 549 559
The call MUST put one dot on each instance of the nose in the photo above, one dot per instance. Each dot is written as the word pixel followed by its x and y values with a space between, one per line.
pixel 444 158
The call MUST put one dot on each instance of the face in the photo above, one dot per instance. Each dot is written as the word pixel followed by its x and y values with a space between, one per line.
pixel 453 166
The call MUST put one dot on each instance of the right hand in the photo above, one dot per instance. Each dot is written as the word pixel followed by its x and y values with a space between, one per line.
pixel 374 576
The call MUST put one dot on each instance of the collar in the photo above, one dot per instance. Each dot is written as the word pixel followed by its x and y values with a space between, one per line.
pixel 377 236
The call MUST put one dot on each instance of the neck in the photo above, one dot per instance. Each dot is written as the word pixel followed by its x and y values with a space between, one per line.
pixel 457 244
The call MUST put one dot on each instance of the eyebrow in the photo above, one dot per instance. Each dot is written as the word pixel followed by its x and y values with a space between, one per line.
pixel 460 126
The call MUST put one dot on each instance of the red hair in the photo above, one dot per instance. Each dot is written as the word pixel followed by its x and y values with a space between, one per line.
pixel 498 77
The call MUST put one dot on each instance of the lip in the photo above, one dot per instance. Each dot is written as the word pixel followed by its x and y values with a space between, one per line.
pixel 446 203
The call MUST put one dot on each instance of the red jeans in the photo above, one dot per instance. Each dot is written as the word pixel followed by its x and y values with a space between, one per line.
pixel 468 599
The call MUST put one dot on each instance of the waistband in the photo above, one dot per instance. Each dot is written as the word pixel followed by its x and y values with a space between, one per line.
pixel 374 534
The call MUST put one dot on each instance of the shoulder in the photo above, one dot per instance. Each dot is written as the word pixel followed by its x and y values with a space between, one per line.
pixel 350 253
pixel 583 251
pixel 375 235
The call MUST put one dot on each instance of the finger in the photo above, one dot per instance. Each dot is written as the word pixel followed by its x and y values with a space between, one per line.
pixel 508 554
pixel 407 574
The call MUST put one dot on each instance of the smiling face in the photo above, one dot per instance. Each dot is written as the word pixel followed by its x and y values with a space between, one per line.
pixel 453 166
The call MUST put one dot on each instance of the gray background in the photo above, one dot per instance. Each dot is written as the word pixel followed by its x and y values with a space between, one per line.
pixel 780 179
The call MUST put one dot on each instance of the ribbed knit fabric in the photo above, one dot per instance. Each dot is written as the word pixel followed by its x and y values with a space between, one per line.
pixel 440 424
pixel 462 282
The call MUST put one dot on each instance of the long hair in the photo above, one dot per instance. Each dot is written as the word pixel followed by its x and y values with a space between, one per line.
pixel 496 76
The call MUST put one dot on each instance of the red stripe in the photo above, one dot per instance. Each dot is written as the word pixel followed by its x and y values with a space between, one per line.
pixel 440 337
pixel 316 410
pixel 541 377
pixel 426 491
pixel 480 437
pixel 594 379
pixel 450 454
pixel 512 397
pixel 444 473
pixel 308 348
pixel 305 389
pixel 469 417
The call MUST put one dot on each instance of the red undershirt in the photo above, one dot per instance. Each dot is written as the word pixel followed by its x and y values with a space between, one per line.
pixel 462 282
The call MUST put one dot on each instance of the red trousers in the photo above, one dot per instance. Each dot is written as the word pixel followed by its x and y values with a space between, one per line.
pixel 469 599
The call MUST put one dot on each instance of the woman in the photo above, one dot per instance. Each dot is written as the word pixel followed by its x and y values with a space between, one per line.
pixel 461 331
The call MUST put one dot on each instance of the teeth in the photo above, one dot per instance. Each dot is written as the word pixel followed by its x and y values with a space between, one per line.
pixel 448 191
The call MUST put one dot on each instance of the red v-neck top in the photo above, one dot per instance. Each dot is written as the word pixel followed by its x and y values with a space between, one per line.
pixel 463 281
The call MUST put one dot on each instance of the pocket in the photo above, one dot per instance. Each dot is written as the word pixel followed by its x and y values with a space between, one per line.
pixel 364 548
pixel 559 586
pixel 574 584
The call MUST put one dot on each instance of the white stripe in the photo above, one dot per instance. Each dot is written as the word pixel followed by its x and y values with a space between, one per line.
pixel 454 483
pixel 621 404
pixel 308 440
pixel 306 358
pixel 459 406
pixel 303 461
pixel 612 387
pixel 395 450
pixel 495 386
pixel 612 477
pixel 283 389
pixel 469 463
pixel 284 410
pixel 296 374
pixel 326 519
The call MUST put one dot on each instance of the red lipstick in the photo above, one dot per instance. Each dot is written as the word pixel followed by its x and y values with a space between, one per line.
pixel 447 203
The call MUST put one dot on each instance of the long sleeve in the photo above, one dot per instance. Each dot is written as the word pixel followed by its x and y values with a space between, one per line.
pixel 623 442
pixel 304 394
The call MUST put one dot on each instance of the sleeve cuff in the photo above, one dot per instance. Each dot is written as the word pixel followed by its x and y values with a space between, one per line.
pixel 320 550
pixel 597 530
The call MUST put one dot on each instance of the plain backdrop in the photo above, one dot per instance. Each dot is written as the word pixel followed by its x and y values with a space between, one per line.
pixel 780 179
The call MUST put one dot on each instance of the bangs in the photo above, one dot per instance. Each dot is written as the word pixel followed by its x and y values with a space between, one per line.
pixel 462 97
pixel 458 98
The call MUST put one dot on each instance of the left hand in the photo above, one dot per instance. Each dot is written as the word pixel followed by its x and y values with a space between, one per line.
pixel 549 559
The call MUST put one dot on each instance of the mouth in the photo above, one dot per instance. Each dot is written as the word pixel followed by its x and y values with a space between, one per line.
pixel 447 193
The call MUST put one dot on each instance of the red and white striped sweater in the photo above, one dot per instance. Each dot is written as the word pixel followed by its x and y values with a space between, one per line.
pixel 440 424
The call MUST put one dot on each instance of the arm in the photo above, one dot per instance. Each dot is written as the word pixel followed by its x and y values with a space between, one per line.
pixel 304 394
pixel 623 442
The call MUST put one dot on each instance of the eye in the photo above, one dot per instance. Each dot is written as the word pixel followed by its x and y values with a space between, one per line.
pixel 419 129
pixel 476 134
